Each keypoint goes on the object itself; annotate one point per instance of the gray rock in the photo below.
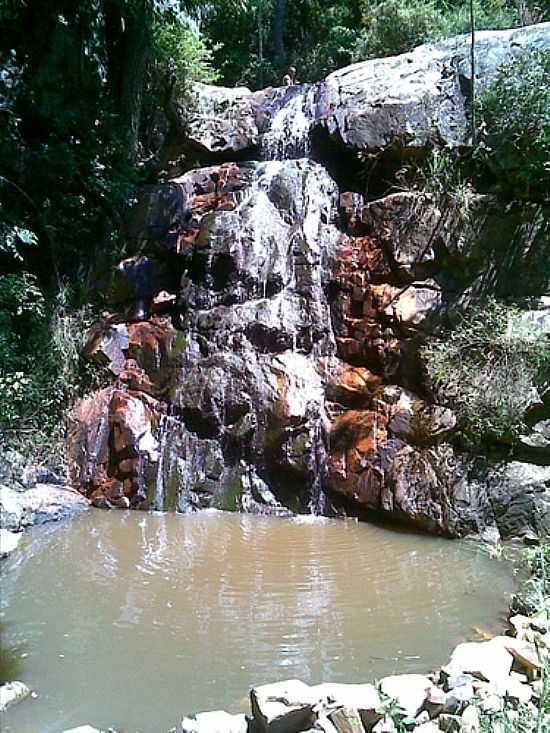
(215, 721)
(399, 100)
(42, 503)
(408, 690)
(487, 660)
(8, 541)
(520, 496)
(221, 120)
(107, 344)
(458, 698)
(282, 707)
(11, 693)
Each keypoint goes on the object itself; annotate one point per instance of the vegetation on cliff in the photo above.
(487, 369)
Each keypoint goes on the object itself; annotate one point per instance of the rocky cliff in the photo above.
(264, 329)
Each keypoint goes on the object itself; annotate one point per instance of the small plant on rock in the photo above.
(514, 124)
(487, 369)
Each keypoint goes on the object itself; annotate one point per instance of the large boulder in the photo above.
(40, 504)
(406, 101)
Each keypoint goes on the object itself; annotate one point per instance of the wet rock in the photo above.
(412, 419)
(400, 101)
(216, 721)
(43, 503)
(408, 690)
(138, 278)
(11, 693)
(353, 387)
(9, 542)
(282, 707)
(537, 442)
(430, 488)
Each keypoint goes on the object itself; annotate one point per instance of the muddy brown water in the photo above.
(131, 619)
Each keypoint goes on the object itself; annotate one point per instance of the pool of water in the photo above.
(131, 619)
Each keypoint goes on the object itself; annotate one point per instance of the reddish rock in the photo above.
(107, 344)
(352, 386)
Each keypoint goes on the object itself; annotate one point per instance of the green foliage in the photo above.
(393, 27)
(514, 123)
(41, 369)
(533, 593)
(486, 370)
(183, 52)
(396, 26)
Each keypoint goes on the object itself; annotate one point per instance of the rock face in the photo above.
(265, 329)
(402, 102)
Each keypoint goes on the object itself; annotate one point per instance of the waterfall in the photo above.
(289, 133)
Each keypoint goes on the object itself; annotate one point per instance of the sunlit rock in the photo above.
(12, 693)
(486, 660)
(408, 690)
(42, 503)
(282, 707)
(9, 541)
(216, 721)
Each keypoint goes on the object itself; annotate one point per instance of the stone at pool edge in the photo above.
(215, 721)
(42, 503)
(12, 693)
(9, 542)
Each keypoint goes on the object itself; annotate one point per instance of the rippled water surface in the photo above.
(131, 619)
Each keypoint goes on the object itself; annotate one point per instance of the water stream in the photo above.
(132, 619)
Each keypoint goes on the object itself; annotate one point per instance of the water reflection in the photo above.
(132, 619)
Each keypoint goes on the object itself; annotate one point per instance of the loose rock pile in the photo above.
(480, 677)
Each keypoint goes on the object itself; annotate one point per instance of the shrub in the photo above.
(180, 50)
(396, 26)
(513, 114)
(393, 27)
(486, 369)
(41, 370)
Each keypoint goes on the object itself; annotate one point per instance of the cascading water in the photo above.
(247, 411)
(288, 134)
